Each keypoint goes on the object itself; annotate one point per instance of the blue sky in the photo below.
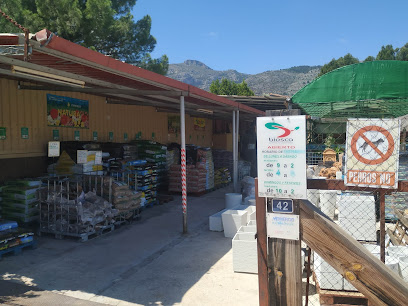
(260, 35)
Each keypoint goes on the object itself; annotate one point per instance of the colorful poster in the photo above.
(199, 124)
(173, 123)
(67, 112)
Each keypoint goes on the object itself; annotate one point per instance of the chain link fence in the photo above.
(364, 159)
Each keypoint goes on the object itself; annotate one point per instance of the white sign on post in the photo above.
(281, 156)
(372, 153)
(53, 148)
(282, 226)
(82, 156)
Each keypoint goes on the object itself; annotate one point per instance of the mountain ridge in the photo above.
(284, 81)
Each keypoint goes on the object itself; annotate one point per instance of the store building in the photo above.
(122, 102)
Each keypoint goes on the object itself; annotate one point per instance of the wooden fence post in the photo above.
(285, 272)
(262, 248)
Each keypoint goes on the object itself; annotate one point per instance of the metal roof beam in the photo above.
(132, 92)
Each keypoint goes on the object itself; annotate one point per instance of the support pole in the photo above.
(382, 224)
(183, 164)
(238, 189)
(234, 152)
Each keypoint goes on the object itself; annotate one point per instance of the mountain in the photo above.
(284, 81)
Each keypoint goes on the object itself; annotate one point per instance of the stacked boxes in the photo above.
(146, 175)
(1, 199)
(123, 199)
(20, 202)
(129, 151)
(89, 162)
(196, 178)
(357, 216)
(222, 176)
(156, 154)
(205, 161)
(398, 200)
(12, 236)
(223, 159)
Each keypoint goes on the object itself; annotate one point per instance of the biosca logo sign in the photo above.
(276, 126)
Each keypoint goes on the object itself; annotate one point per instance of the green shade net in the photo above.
(377, 89)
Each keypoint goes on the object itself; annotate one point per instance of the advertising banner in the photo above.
(199, 124)
(67, 112)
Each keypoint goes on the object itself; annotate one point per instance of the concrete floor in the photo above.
(146, 263)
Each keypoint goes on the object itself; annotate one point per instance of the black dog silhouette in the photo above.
(375, 143)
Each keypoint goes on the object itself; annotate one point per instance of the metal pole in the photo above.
(382, 224)
(183, 164)
(238, 189)
(234, 148)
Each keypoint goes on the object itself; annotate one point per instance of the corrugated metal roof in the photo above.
(56, 56)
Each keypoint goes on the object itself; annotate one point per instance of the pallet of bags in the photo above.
(20, 201)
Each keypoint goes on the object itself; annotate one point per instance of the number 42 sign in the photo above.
(282, 206)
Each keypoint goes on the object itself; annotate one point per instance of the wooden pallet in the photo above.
(399, 236)
(82, 236)
(335, 297)
(18, 248)
(164, 198)
(127, 217)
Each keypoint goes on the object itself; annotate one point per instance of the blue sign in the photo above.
(282, 206)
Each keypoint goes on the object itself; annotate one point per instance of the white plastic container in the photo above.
(247, 229)
(232, 220)
(251, 210)
(327, 201)
(232, 200)
(244, 253)
(216, 221)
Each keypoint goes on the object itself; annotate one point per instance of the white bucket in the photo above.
(233, 200)
(403, 263)
(328, 202)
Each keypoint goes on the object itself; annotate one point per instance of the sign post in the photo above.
(281, 143)
(372, 159)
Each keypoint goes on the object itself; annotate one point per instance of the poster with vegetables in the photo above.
(199, 124)
(67, 112)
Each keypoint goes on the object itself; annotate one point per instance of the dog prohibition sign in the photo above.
(370, 151)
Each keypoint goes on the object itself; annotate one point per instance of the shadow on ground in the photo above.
(148, 262)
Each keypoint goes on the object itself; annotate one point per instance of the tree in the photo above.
(402, 54)
(369, 59)
(387, 53)
(348, 59)
(230, 88)
(106, 26)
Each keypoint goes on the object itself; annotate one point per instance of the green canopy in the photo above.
(375, 89)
